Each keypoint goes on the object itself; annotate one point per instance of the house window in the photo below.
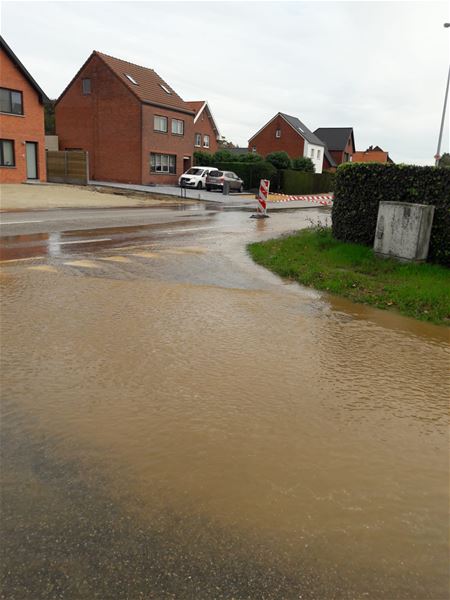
(254, 149)
(11, 102)
(198, 140)
(7, 153)
(177, 127)
(346, 157)
(206, 141)
(318, 154)
(165, 88)
(163, 163)
(278, 133)
(312, 152)
(160, 124)
(86, 86)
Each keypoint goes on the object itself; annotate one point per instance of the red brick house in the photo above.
(22, 130)
(340, 143)
(372, 154)
(206, 132)
(286, 133)
(135, 127)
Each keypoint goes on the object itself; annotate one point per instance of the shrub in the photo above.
(250, 157)
(280, 160)
(223, 155)
(361, 186)
(205, 159)
(303, 163)
(250, 173)
(299, 182)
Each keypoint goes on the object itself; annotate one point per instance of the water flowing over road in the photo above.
(177, 422)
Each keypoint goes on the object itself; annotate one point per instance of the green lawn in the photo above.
(312, 257)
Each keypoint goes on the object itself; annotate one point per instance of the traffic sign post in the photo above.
(261, 210)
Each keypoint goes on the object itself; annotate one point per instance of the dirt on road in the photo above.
(42, 196)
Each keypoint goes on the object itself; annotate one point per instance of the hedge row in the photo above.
(360, 187)
(298, 182)
(250, 173)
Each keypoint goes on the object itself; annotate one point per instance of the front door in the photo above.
(186, 163)
(31, 153)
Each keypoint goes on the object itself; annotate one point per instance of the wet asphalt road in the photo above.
(148, 453)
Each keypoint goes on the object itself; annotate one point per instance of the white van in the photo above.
(195, 177)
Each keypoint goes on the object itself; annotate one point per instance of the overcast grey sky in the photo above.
(379, 67)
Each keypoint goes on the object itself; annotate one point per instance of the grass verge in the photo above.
(315, 259)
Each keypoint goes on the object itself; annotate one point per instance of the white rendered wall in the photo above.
(318, 162)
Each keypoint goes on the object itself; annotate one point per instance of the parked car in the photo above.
(195, 177)
(216, 179)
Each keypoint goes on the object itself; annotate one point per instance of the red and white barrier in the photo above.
(323, 199)
(262, 196)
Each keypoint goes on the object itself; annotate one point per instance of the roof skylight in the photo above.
(165, 88)
(131, 79)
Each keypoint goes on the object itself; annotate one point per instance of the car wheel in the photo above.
(199, 185)
(208, 188)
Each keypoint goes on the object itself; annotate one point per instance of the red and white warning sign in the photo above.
(262, 196)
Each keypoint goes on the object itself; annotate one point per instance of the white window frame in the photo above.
(318, 154)
(278, 133)
(178, 126)
(312, 152)
(206, 141)
(157, 121)
(198, 140)
(163, 163)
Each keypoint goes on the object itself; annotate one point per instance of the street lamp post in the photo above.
(438, 152)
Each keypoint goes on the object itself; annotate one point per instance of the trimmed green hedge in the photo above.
(250, 173)
(300, 182)
(361, 186)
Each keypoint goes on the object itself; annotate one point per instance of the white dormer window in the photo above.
(133, 81)
(278, 133)
(165, 88)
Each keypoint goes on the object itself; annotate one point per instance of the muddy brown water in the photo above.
(179, 423)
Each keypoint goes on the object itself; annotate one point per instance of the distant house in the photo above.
(206, 132)
(286, 133)
(238, 151)
(372, 154)
(133, 124)
(22, 146)
(340, 143)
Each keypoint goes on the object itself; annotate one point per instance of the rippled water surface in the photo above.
(178, 423)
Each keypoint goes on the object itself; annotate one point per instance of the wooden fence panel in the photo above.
(67, 166)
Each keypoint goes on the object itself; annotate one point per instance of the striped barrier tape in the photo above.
(323, 199)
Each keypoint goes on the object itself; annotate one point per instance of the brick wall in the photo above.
(165, 143)
(266, 142)
(204, 126)
(28, 127)
(106, 123)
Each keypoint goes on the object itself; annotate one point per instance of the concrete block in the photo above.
(403, 230)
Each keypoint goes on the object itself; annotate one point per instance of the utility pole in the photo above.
(438, 152)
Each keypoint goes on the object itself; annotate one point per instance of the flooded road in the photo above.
(177, 422)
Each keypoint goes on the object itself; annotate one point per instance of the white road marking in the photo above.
(86, 241)
(18, 222)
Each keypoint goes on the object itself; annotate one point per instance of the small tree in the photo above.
(303, 163)
(445, 160)
(280, 160)
(205, 159)
(250, 157)
(223, 156)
